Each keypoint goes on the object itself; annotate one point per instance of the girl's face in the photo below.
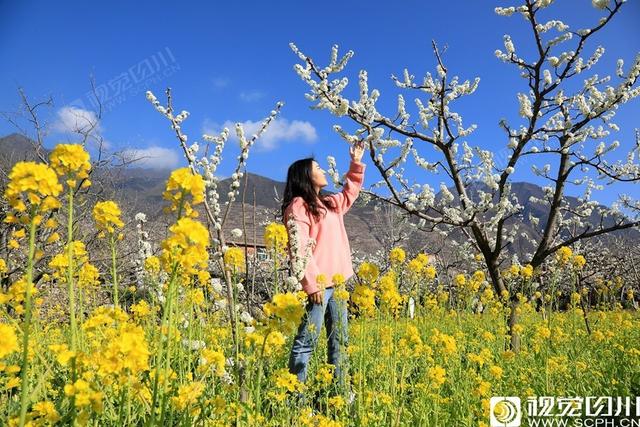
(317, 176)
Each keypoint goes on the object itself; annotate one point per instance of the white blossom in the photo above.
(525, 105)
(600, 4)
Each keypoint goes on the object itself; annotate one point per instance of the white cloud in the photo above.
(252, 96)
(76, 120)
(153, 157)
(220, 82)
(280, 130)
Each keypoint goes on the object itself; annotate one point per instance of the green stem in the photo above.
(24, 388)
(72, 298)
(114, 271)
(275, 272)
(165, 313)
(167, 362)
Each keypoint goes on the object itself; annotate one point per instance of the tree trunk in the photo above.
(498, 285)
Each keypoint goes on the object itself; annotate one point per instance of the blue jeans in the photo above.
(334, 313)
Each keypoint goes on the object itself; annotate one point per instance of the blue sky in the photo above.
(230, 61)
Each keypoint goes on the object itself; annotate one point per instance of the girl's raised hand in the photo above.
(356, 151)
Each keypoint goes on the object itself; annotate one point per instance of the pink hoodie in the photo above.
(332, 253)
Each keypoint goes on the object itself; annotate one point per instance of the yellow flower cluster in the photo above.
(340, 291)
(152, 264)
(85, 395)
(188, 395)
(33, 183)
(60, 263)
(62, 353)
(437, 375)
(141, 309)
(324, 374)
(124, 352)
(447, 342)
(389, 295)
(271, 344)
(212, 360)
(368, 272)
(481, 358)
(578, 261)
(71, 161)
(107, 216)
(287, 308)
(103, 317)
(16, 295)
(8, 340)
(284, 380)
(397, 256)
(563, 255)
(42, 414)
(88, 276)
(415, 267)
(182, 182)
(276, 237)
(515, 271)
(234, 259)
(419, 266)
(186, 247)
(412, 345)
(364, 299)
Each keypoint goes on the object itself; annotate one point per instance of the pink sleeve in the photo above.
(302, 219)
(352, 185)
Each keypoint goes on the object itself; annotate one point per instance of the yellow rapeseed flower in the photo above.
(187, 246)
(563, 255)
(32, 183)
(429, 272)
(460, 280)
(212, 359)
(364, 299)
(397, 256)
(182, 182)
(276, 237)
(88, 276)
(188, 395)
(8, 340)
(368, 272)
(527, 272)
(287, 308)
(71, 162)
(152, 264)
(578, 261)
(107, 216)
(141, 309)
(437, 375)
(285, 380)
(389, 294)
(46, 412)
(234, 259)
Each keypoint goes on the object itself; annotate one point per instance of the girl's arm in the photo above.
(353, 181)
(351, 187)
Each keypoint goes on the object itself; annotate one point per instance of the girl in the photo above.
(321, 218)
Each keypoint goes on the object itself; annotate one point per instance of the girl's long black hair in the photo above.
(299, 185)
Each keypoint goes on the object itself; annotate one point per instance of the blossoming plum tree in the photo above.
(559, 123)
